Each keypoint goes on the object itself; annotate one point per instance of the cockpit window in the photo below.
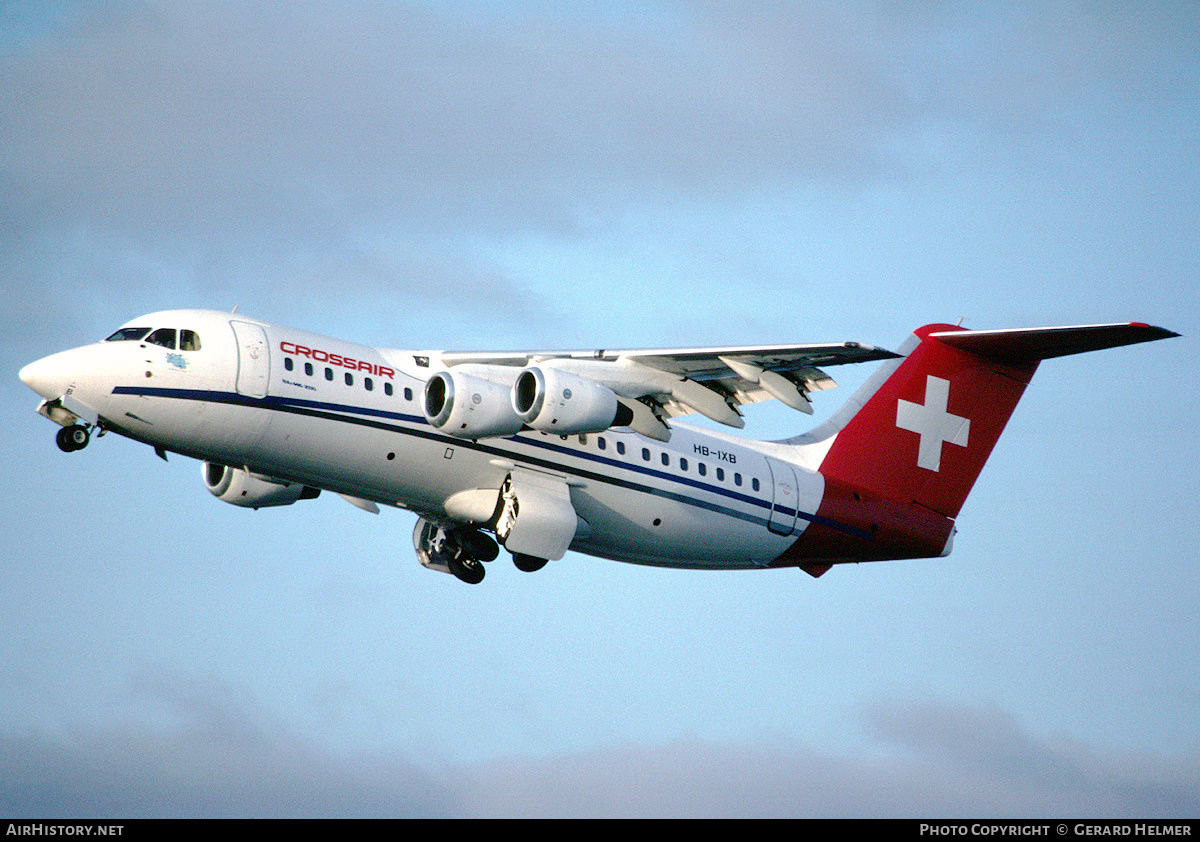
(164, 336)
(128, 334)
(189, 340)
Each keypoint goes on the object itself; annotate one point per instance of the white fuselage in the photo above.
(304, 408)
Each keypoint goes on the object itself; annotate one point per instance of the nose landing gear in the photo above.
(75, 437)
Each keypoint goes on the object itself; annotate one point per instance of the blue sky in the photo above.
(494, 176)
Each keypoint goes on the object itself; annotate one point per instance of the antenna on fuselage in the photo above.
(234, 310)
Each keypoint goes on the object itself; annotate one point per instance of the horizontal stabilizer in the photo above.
(1028, 345)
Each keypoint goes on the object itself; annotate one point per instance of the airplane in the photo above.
(545, 452)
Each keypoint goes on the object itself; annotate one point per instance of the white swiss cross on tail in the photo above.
(932, 422)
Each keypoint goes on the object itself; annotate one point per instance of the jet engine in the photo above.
(241, 488)
(469, 407)
(554, 401)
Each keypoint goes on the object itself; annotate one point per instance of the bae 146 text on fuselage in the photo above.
(544, 452)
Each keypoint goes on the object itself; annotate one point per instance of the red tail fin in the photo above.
(897, 471)
(924, 435)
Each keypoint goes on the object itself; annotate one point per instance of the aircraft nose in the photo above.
(47, 376)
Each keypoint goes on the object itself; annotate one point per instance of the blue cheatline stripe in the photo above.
(369, 417)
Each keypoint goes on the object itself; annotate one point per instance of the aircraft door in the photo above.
(254, 360)
(785, 497)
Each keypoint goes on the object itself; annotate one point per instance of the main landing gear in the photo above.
(528, 563)
(75, 437)
(461, 550)
(454, 549)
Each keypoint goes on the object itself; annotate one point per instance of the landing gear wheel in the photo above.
(73, 438)
(528, 563)
(480, 546)
(469, 570)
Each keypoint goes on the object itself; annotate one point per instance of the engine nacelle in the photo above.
(554, 401)
(469, 407)
(239, 487)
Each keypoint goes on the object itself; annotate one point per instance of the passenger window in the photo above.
(701, 468)
(329, 374)
(682, 464)
(621, 447)
(164, 336)
(368, 384)
(601, 443)
(720, 474)
(308, 369)
(387, 389)
(646, 454)
(407, 393)
(287, 363)
(666, 459)
(754, 483)
(349, 379)
(189, 340)
(737, 479)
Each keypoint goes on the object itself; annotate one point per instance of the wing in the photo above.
(655, 384)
